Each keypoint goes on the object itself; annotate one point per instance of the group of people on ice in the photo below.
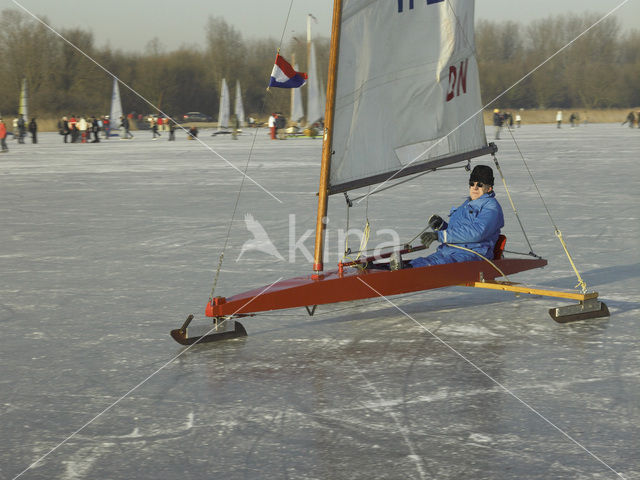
(19, 132)
(504, 118)
(80, 129)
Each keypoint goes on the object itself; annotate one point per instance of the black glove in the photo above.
(428, 237)
(437, 223)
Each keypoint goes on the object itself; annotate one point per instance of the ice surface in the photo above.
(104, 248)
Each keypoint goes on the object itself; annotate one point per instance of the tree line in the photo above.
(599, 70)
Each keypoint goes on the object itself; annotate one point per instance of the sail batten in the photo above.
(408, 92)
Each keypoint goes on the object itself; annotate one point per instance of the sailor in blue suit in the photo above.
(474, 225)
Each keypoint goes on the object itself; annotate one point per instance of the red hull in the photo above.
(355, 284)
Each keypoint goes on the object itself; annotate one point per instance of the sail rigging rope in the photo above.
(364, 239)
(513, 206)
(481, 256)
(581, 283)
(235, 206)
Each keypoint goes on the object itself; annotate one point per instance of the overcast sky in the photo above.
(130, 24)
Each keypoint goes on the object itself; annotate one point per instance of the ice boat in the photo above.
(403, 98)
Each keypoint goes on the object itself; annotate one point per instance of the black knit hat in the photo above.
(483, 174)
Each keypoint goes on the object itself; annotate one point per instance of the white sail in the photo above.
(238, 109)
(297, 110)
(407, 92)
(225, 105)
(116, 109)
(23, 108)
(315, 107)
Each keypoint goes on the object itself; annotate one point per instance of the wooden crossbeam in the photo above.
(512, 287)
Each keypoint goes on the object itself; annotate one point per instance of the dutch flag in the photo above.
(284, 76)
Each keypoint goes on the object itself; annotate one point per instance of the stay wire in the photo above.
(513, 206)
(246, 168)
(581, 283)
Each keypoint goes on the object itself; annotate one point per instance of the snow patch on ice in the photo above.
(189, 423)
(477, 437)
(134, 434)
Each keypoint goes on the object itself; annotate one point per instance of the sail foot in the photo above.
(489, 149)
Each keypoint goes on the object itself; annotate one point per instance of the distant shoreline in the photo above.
(529, 116)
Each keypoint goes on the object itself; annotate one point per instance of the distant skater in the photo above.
(272, 126)
(281, 123)
(95, 128)
(82, 126)
(33, 129)
(498, 120)
(559, 118)
(124, 125)
(63, 128)
(154, 128)
(3, 137)
(573, 119)
(106, 126)
(631, 120)
(172, 131)
(22, 129)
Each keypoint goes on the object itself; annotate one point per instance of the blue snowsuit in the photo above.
(474, 225)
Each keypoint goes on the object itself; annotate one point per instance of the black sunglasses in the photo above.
(480, 184)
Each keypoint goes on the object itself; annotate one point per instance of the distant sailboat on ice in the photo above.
(24, 101)
(297, 109)
(116, 109)
(223, 112)
(238, 109)
(315, 107)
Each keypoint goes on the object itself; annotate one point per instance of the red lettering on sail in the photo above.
(452, 82)
(457, 80)
(462, 76)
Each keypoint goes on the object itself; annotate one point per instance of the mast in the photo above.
(293, 62)
(325, 166)
(309, 41)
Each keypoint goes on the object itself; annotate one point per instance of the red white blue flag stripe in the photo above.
(284, 76)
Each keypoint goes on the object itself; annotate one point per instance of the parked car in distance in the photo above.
(196, 117)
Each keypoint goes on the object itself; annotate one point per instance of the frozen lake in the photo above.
(104, 248)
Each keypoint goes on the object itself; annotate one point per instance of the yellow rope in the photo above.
(513, 206)
(363, 244)
(581, 283)
(481, 256)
